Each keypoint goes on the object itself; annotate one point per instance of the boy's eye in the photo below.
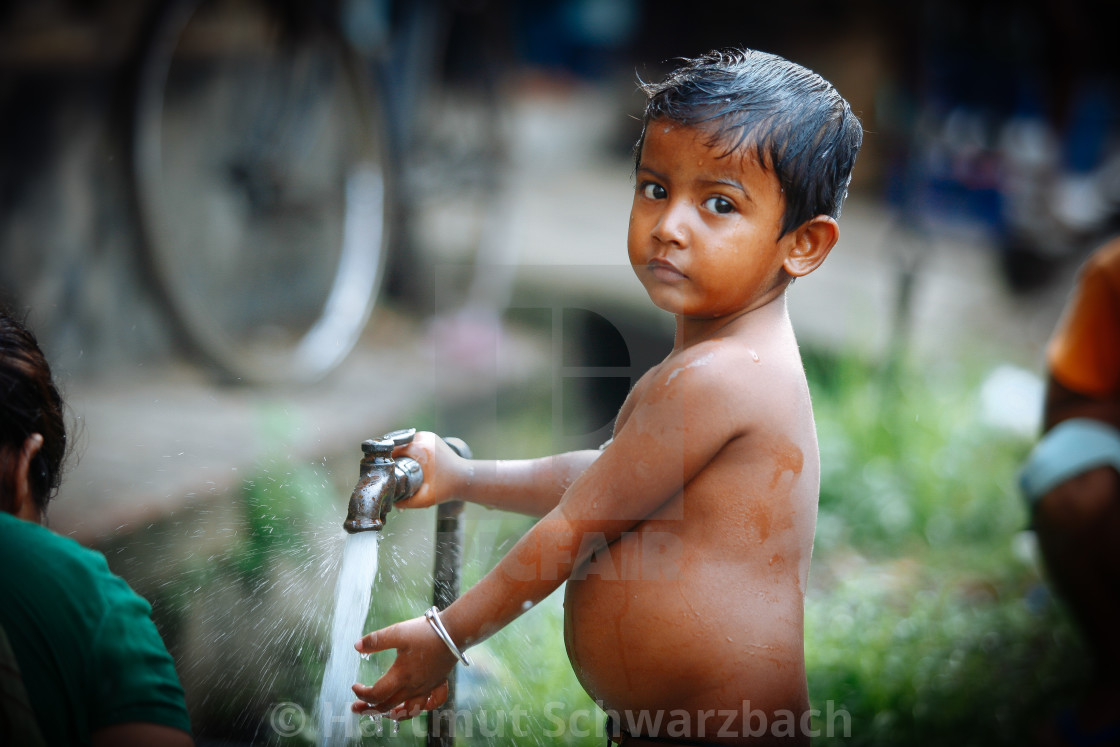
(719, 205)
(653, 191)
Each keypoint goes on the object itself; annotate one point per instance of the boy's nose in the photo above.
(672, 224)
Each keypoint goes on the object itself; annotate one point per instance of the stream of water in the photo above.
(337, 724)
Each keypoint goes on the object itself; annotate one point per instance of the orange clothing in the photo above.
(1084, 353)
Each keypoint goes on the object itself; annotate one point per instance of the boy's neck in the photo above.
(693, 330)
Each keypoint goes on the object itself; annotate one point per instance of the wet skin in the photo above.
(699, 606)
(686, 542)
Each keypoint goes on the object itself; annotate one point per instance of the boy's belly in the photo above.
(652, 624)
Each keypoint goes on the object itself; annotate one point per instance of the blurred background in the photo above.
(250, 235)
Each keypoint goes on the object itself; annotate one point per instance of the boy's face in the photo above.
(703, 235)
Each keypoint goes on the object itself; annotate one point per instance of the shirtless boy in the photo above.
(743, 163)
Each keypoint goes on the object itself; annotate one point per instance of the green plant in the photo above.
(927, 619)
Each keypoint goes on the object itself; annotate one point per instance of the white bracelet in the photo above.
(432, 616)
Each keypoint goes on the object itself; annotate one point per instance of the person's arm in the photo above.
(1062, 403)
(1083, 357)
(141, 735)
(526, 486)
(658, 450)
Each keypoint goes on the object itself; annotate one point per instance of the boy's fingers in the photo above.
(418, 449)
(411, 708)
(427, 702)
(378, 640)
(371, 700)
(396, 703)
(437, 697)
(363, 707)
(379, 697)
(384, 694)
(412, 501)
(421, 442)
(364, 693)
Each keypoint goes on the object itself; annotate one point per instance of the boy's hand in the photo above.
(445, 472)
(417, 680)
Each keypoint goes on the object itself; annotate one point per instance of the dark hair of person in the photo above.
(800, 126)
(29, 403)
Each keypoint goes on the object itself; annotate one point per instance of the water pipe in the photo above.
(382, 482)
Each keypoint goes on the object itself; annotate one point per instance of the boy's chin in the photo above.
(662, 297)
(675, 305)
(665, 304)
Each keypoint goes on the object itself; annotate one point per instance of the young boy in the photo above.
(685, 541)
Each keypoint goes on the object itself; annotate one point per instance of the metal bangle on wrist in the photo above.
(432, 616)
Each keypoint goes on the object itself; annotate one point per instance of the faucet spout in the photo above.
(382, 482)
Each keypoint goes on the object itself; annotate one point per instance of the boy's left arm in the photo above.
(682, 422)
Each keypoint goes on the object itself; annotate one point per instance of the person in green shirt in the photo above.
(82, 655)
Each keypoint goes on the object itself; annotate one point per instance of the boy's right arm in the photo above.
(526, 486)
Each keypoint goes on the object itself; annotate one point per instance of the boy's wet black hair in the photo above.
(29, 403)
(800, 126)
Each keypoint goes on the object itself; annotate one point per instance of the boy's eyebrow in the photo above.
(733, 184)
(725, 182)
(728, 183)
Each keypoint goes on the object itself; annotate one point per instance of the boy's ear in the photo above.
(812, 241)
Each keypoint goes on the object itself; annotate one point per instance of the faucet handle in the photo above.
(400, 437)
(383, 447)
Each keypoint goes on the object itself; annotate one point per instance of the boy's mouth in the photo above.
(664, 270)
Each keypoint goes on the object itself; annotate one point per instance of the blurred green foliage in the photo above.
(928, 619)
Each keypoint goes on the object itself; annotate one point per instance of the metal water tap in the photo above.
(383, 481)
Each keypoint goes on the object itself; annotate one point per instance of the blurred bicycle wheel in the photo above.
(260, 168)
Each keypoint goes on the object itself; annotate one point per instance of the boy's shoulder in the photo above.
(727, 374)
(719, 390)
(707, 360)
(732, 356)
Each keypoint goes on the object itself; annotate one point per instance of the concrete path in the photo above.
(156, 440)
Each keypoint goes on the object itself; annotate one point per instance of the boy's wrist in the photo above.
(436, 623)
(453, 624)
